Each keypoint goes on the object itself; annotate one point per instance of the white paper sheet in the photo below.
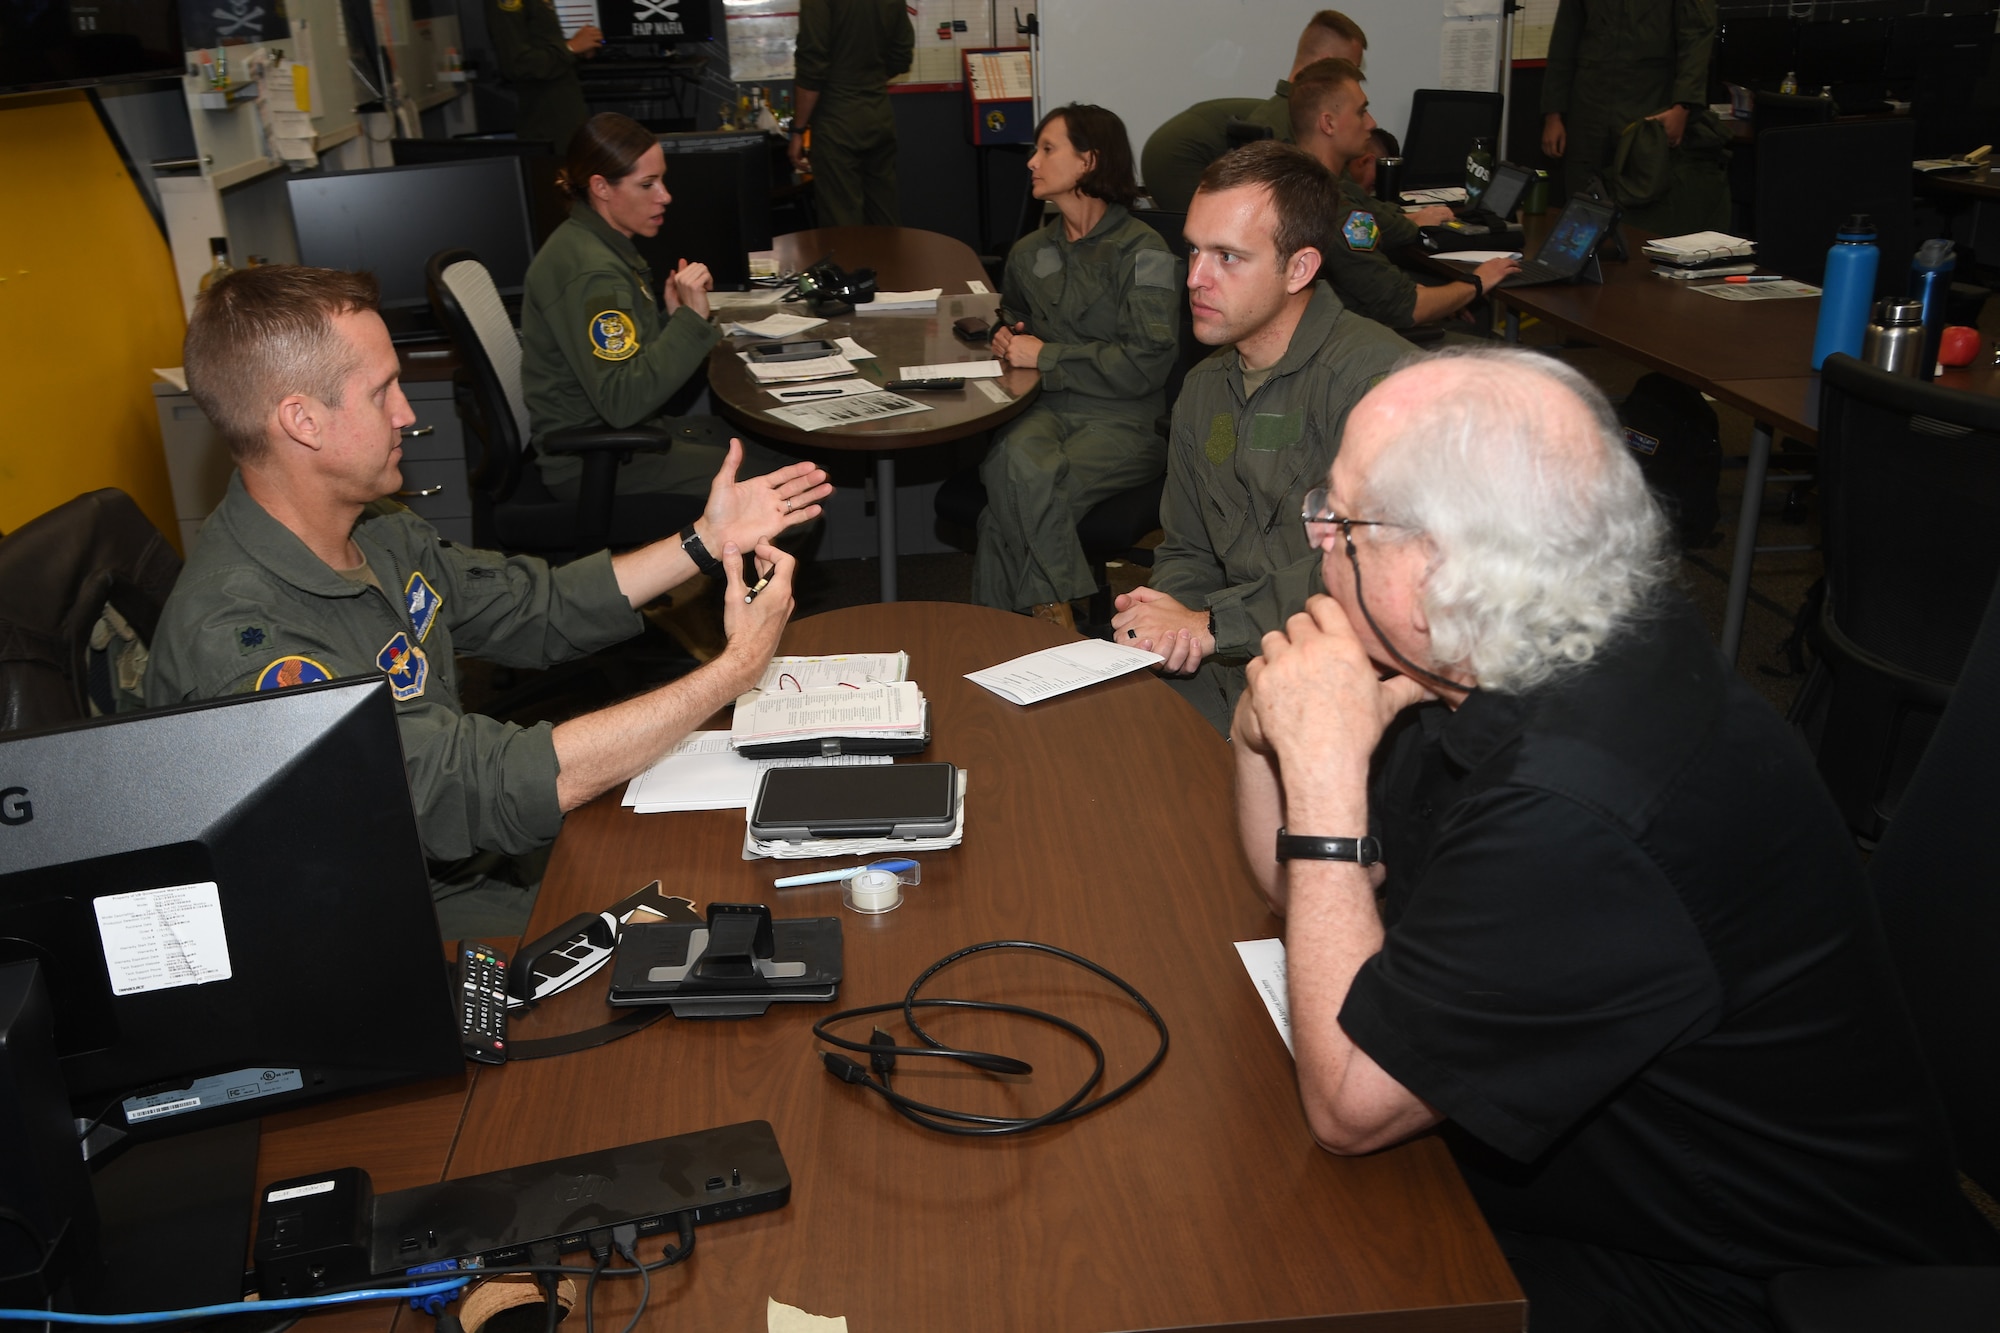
(797, 393)
(993, 391)
(890, 303)
(853, 350)
(1474, 258)
(704, 773)
(1058, 670)
(1264, 960)
(883, 708)
(158, 939)
(955, 370)
(792, 372)
(799, 674)
(1785, 289)
(775, 325)
(847, 411)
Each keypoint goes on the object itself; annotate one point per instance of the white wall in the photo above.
(1148, 60)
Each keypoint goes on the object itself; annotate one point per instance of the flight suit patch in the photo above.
(1048, 260)
(250, 639)
(1221, 442)
(1153, 268)
(1270, 432)
(612, 336)
(421, 600)
(405, 665)
(291, 671)
(1360, 231)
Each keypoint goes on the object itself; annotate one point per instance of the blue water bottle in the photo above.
(1930, 282)
(1847, 290)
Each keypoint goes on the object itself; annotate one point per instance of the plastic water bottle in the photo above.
(1930, 282)
(1847, 290)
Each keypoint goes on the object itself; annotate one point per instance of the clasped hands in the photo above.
(1151, 620)
(1017, 347)
(688, 285)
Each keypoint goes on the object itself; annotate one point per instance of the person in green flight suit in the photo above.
(1330, 120)
(1613, 62)
(848, 51)
(1090, 301)
(539, 64)
(1178, 151)
(596, 348)
(307, 572)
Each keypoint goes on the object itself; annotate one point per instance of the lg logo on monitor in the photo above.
(15, 808)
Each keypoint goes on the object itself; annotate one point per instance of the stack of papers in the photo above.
(777, 324)
(791, 372)
(956, 370)
(892, 714)
(889, 303)
(798, 675)
(1058, 670)
(1698, 248)
(856, 848)
(704, 772)
(845, 411)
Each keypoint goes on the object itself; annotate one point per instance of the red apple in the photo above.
(1960, 346)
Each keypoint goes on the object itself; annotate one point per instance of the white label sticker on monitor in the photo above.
(157, 939)
(215, 1090)
(299, 1191)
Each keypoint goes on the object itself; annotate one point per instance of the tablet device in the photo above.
(809, 350)
(878, 801)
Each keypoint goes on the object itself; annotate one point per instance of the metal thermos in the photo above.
(1895, 339)
(1389, 179)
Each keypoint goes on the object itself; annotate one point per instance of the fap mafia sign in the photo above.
(656, 20)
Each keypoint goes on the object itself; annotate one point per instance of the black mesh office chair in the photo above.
(512, 509)
(1909, 477)
(1936, 877)
(1811, 178)
(57, 574)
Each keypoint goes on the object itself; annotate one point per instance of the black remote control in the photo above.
(924, 386)
(482, 1015)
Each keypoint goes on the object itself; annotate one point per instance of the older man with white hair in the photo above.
(1562, 883)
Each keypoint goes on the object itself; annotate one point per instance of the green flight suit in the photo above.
(538, 65)
(1106, 308)
(1238, 470)
(1358, 261)
(255, 609)
(1178, 152)
(848, 50)
(1612, 62)
(597, 351)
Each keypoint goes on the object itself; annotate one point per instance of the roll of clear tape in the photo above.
(873, 891)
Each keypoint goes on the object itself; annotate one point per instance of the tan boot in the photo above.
(1056, 613)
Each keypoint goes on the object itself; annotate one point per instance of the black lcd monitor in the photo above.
(74, 43)
(230, 906)
(1443, 124)
(721, 210)
(391, 220)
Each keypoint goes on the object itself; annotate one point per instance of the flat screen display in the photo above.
(74, 43)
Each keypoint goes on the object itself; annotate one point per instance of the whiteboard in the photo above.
(1149, 60)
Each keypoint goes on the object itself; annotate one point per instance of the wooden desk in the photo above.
(1700, 340)
(1101, 822)
(1791, 403)
(904, 259)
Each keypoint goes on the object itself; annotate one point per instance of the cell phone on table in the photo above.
(808, 350)
(881, 801)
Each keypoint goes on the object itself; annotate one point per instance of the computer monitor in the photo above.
(391, 220)
(1443, 124)
(721, 187)
(229, 904)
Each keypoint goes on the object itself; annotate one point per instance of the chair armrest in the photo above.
(599, 439)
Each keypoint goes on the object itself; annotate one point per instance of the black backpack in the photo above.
(1673, 432)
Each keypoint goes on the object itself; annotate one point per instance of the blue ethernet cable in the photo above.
(454, 1285)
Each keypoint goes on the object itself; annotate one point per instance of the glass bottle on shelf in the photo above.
(218, 249)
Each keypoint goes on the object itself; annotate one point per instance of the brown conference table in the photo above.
(904, 259)
(1101, 822)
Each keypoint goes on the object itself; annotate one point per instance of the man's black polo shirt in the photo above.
(1632, 958)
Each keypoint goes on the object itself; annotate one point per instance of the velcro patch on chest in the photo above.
(421, 600)
(1153, 268)
(1221, 441)
(613, 336)
(1272, 431)
(1048, 260)
(1360, 231)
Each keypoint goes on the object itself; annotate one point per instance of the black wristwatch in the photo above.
(1303, 847)
(1477, 286)
(691, 543)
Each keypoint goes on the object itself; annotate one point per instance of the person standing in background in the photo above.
(539, 64)
(848, 51)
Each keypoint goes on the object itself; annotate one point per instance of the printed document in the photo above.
(1058, 670)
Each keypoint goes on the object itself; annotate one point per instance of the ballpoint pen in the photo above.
(1755, 277)
(832, 876)
(811, 393)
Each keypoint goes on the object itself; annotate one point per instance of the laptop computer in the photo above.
(1571, 245)
(1479, 227)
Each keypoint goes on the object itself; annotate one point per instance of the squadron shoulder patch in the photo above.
(612, 336)
(291, 671)
(421, 600)
(405, 665)
(510, 6)
(1360, 231)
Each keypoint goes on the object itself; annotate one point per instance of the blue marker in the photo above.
(834, 876)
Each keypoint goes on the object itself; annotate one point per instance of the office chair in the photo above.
(1811, 178)
(512, 509)
(58, 573)
(1936, 877)
(1909, 477)
(1443, 124)
(1113, 528)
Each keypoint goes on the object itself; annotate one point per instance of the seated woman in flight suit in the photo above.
(597, 348)
(1090, 300)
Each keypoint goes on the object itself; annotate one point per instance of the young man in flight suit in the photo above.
(306, 573)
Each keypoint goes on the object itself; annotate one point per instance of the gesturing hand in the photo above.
(750, 513)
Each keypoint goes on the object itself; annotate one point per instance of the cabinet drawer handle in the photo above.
(417, 432)
(424, 494)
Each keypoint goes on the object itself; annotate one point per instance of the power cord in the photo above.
(374, 1293)
(625, 1239)
(882, 1052)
